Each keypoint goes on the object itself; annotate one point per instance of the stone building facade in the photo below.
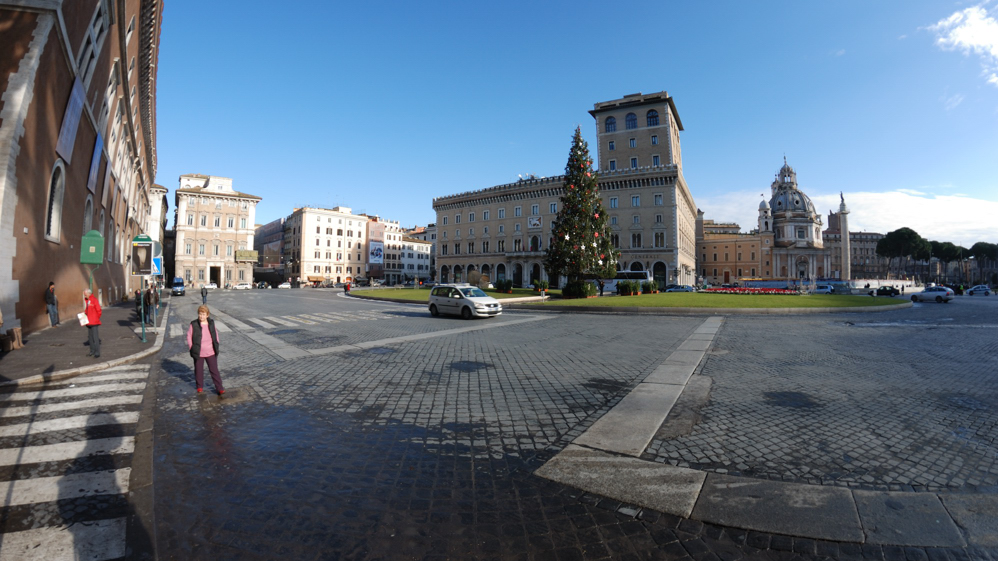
(504, 231)
(787, 244)
(323, 244)
(77, 147)
(214, 227)
(865, 263)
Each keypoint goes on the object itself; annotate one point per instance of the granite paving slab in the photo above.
(894, 518)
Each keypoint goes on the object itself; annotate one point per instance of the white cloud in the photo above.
(958, 219)
(951, 102)
(839, 52)
(971, 30)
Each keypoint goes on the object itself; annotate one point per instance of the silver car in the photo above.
(934, 294)
(979, 289)
(463, 300)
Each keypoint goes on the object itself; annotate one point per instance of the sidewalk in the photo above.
(61, 352)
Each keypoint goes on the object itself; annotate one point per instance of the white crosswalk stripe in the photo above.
(74, 428)
(261, 323)
(299, 319)
(280, 321)
(221, 327)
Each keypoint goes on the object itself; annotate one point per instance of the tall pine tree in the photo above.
(580, 246)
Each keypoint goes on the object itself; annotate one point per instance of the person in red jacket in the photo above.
(93, 312)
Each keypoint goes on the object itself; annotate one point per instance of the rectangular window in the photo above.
(633, 143)
(635, 200)
(655, 161)
(611, 146)
(658, 218)
(753, 259)
(485, 215)
(658, 199)
(228, 251)
(232, 222)
(445, 221)
(457, 249)
(187, 249)
(715, 259)
(242, 223)
(800, 234)
(517, 211)
(201, 249)
(457, 219)
(636, 240)
(634, 163)
(502, 213)
(654, 140)
(535, 210)
(218, 221)
(516, 227)
(715, 272)
(502, 228)
(635, 219)
(471, 247)
(613, 165)
(753, 272)
(739, 257)
(553, 208)
(190, 219)
(613, 220)
(613, 202)
(485, 247)
(204, 220)
(659, 239)
(471, 217)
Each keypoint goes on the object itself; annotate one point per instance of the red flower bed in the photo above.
(750, 291)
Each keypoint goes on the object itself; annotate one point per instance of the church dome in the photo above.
(764, 205)
(786, 196)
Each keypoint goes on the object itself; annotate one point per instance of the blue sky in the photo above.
(381, 106)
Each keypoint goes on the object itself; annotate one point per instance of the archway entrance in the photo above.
(637, 266)
(518, 275)
(661, 274)
(457, 273)
(445, 274)
(802, 268)
(535, 273)
(501, 272)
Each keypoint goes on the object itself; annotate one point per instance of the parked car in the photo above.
(681, 288)
(464, 300)
(886, 291)
(979, 289)
(210, 286)
(284, 284)
(934, 294)
(243, 286)
(823, 289)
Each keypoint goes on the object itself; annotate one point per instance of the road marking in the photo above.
(69, 406)
(73, 392)
(280, 321)
(316, 318)
(66, 450)
(261, 323)
(46, 489)
(221, 327)
(236, 323)
(70, 423)
(100, 539)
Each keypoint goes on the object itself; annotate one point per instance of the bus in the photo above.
(610, 285)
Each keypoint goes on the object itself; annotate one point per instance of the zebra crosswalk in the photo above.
(275, 322)
(65, 465)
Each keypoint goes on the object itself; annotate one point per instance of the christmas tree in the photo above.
(580, 247)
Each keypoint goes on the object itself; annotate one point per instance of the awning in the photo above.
(316, 278)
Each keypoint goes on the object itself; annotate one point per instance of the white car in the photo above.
(243, 286)
(933, 294)
(284, 285)
(823, 289)
(211, 286)
(979, 289)
(463, 300)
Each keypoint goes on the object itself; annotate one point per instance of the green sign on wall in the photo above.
(92, 248)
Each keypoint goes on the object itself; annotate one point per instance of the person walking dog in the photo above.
(52, 304)
(93, 312)
(202, 340)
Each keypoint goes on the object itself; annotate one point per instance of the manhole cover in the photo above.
(468, 365)
(790, 399)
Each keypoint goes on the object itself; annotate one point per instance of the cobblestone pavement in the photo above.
(898, 401)
(425, 450)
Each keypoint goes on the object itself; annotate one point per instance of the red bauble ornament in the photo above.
(588, 174)
(597, 215)
(601, 256)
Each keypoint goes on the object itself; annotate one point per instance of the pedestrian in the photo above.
(600, 282)
(204, 295)
(150, 304)
(93, 312)
(202, 340)
(52, 304)
(902, 290)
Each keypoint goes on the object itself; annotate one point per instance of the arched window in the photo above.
(631, 121)
(610, 125)
(653, 118)
(88, 214)
(57, 188)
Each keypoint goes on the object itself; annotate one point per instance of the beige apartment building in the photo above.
(214, 231)
(323, 244)
(504, 231)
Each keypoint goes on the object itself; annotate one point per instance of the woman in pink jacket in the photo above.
(202, 340)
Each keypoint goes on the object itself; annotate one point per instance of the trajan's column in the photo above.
(846, 246)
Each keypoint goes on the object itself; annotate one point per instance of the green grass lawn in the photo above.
(663, 300)
(706, 300)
